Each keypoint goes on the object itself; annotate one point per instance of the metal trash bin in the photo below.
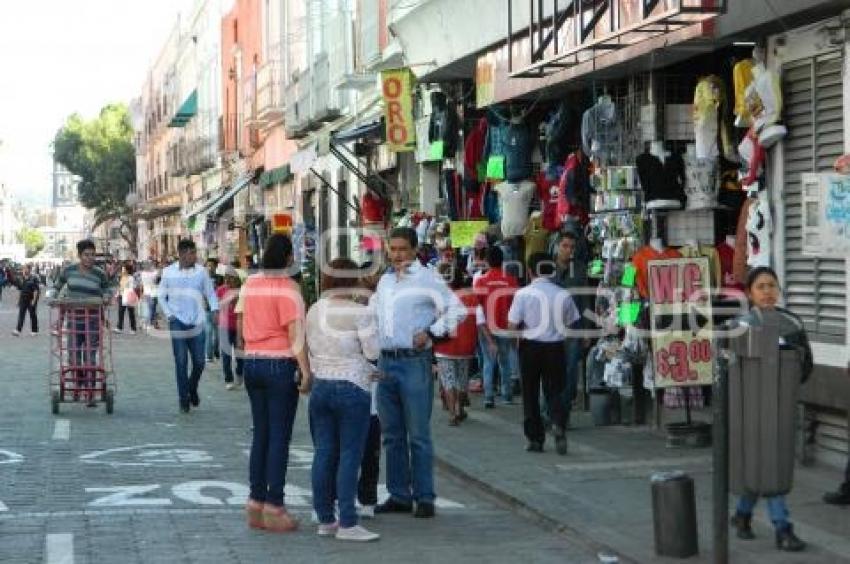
(764, 384)
(674, 515)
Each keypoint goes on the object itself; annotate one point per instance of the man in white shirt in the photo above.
(414, 306)
(543, 311)
(182, 290)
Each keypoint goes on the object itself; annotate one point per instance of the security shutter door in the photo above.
(814, 287)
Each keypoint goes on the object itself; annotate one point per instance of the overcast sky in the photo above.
(58, 57)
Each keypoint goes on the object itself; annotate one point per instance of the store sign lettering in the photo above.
(398, 109)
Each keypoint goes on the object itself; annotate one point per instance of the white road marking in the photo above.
(632, 464)
(164, 455)
(124, 495)
(191, 492)
(9, 457)
(59, 549)
(3, 507)
(62, 430)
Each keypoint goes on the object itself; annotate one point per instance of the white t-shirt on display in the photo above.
(515, 199)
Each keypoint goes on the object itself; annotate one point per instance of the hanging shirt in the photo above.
(759, 229)
(549, 193)
(640, 260)
(739, 263)
(764, 97)
(601, 133)
(515, 199)
(661, 181)
(473, 150)
(536, 237)
(372, 208)
(575, 189)
(726, 254)
(710, 253)
(752, 151)
(742, 77)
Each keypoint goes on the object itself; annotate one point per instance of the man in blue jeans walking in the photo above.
(182, 290)
(414, 306)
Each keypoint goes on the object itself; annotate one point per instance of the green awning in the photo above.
(186, 112)
(274, 176)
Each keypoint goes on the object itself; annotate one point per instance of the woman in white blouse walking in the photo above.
(342, 340)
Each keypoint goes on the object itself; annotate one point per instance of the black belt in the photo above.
(403, 353)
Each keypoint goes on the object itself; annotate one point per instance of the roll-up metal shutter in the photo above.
(814, 287)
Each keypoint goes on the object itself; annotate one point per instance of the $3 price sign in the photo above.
(675, 360)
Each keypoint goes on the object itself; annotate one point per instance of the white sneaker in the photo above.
(33, 334)
(16, 333)
(132, 331)
(229, 386)
(366, 511)
(117, 331)
(357, 534)
(327, 529)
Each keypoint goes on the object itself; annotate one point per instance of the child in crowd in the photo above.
(227, 291)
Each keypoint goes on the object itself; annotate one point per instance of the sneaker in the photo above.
(253, 512)
(117, 331)
(743, 523)
(229, 386)
(534, 446)
(841, 497)
(366, 512)
(394, 506)
(16, 333)
(132, 331)
(327, 529)
(356, 533)
(277, 519)
(33, 333)
(786, 540)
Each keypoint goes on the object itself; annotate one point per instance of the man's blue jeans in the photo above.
(776, 509)
(211, 336)
(405, 401)
(271, 387)
(506, 356)
(186, 341)
(339, 424)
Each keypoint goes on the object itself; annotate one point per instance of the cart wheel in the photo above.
(110, 401)
(54, 402)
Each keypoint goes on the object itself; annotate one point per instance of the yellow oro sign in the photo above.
(463, 233)
(681, 325)
(485, 84)
(396, 86)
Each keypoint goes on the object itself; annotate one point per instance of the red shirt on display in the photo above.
(640, 261)
(373, 208)
(549, 192)
(493, 298)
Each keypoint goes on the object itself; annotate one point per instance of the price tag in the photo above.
(496, 167)
(629, 275)
(437, 150)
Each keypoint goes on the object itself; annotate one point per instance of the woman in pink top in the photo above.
(271, 321)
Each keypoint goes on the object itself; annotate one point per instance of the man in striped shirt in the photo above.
(84, 281)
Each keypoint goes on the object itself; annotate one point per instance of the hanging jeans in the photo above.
(450, 185)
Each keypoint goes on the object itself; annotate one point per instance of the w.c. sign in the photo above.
(398, 109)
(680, 322)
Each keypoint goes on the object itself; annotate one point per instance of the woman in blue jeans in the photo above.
(271, 320)
(763, 292)
(343, 344)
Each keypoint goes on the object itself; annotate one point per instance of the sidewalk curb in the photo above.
(527, 511)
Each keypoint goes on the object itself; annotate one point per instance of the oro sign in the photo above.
(396, 86)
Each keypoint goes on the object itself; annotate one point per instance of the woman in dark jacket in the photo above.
(764, 293)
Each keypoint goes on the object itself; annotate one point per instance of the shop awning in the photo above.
(274, 176)
(186, 112)
(214, 204)
(374, 129)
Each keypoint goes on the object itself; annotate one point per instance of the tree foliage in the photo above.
(100, 151)
(32, 239)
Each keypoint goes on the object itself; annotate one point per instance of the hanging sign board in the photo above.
(282, 223)
(463, 233)
(826, 215)
(681, 326)
(396, 87)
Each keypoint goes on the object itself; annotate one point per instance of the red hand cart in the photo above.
(80, 354)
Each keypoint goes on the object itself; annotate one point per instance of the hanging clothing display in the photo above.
(574, 188)
(709, 252)
(601, 132)
(739, 264)
(726, 254)
(764, 97)
(490, 203)
(443, 125)
(701, 186)
(752, 151)
(661, 181)
(548, 192)
(759, 230)
(515, 199)
(451, 192)
(473, 151)
(742, 77)
(709, 109)
(373, 208)
(640, 260)
(536, 237)
(558, 131)
(513, 142)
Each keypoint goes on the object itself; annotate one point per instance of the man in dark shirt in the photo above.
(27, 301)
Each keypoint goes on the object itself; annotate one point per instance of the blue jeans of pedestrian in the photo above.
(187, 341)
(506, 357)
(776, 509)
(405, 401)
(211, 332)
(339, 425)
(271, 387)
(228, 341)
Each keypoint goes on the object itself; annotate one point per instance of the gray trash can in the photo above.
(674, 515)
(764, 384)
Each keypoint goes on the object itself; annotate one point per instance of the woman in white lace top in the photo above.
(342, 340)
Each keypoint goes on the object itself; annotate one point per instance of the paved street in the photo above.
(150, 485)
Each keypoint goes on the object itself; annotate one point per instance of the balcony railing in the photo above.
(297, 109)
(325, 103)
(270, 94)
